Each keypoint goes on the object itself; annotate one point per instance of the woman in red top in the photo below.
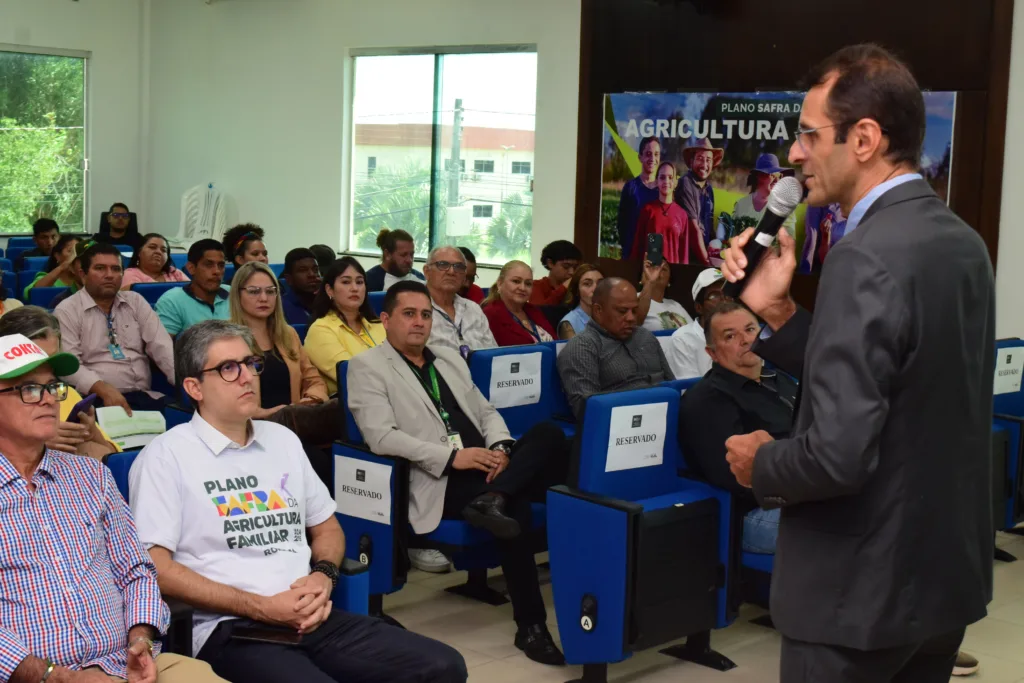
(512, 318)
(665, 217)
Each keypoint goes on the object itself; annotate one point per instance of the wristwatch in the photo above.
(328, 569)
(503, 447)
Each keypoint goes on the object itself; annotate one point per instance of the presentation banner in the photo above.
(697, 169)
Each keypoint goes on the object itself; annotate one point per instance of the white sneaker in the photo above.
(427, 560)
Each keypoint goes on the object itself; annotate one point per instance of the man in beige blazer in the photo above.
(420, 403)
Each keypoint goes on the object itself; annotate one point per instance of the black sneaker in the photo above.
(539, 646)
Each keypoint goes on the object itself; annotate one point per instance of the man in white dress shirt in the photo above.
(686, 350)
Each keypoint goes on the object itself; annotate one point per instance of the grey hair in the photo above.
(31, 321)
(191, 350)
(722, 308)
(443, 247)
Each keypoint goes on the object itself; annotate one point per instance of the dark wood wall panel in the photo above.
(741, 45)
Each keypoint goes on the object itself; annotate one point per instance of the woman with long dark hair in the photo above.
(343, 325)
(59, 267)
(151, 262)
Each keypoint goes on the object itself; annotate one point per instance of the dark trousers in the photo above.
(348, 648)
(140, 400)
(928, 662)
(538, 461)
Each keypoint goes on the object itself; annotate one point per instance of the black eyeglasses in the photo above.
(445, 265)
(231, 370)
(32, 392)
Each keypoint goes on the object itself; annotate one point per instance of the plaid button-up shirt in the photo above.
(74, 577)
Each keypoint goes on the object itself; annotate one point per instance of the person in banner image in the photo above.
(823, 227)
(885, 542)
(666, 218)
(637, 193)
(695, 193)
(761, 180)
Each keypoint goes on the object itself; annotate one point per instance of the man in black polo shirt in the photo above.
(737, 396)
(419, 403)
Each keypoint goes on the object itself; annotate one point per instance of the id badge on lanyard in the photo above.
(454, 440)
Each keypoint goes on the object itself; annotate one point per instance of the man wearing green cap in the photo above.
(88, 606)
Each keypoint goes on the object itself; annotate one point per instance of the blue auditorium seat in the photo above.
(560, 403)
(533, 363)
(302, 329)
(179, 259)
(1008, 419)
(681, 385)
(229, 273)
(12, 253)
(36, 263)
(380, 543)
(26, 242)
(5, 264)
(352, 592)
(277, 269)
(25, 278)
(639, 555)
(42, 296)
(152, 291)
(11, 285)
(376, 301)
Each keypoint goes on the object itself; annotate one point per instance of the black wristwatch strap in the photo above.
(328, 569)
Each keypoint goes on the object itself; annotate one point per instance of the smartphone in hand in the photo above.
(82, 407)
(656, 249)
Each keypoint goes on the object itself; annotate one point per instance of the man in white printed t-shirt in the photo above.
(223, 503)
(686, 349)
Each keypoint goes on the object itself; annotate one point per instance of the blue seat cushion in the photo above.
(457, 532)
(759, 562)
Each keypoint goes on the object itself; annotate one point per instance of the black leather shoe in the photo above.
(536, 642)
(488, 512)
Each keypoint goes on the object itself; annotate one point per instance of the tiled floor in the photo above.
(484, 634)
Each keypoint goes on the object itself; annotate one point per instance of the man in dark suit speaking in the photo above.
(885, 544)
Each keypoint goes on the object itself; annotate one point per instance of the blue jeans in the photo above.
(760, 531)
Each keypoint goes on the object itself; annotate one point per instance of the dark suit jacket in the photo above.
(886, 535)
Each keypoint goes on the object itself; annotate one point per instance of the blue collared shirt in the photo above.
(868, 200)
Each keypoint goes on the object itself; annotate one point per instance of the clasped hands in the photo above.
(304, 606)
(483, 459)
(740, 451)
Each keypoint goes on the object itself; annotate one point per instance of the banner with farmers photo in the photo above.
(697, 168)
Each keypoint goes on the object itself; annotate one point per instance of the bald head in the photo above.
(614, 307)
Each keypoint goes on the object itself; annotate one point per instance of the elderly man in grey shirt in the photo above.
(613, 353)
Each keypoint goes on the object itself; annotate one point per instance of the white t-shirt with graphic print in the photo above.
(234, 514)
(667, 314)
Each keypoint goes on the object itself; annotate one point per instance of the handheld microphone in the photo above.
(782, 201)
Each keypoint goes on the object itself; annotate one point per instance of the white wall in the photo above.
(111, 30)
(253, 94)
(1010, 275)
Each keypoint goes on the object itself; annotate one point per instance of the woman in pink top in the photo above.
(151, 262)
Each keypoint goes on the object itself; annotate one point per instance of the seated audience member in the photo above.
(469, 289)
(114, 335)
(737, 396)
(657, 312)
(343, 325)
(84, 437)
(612, 353)
(220, 556)
(288, 375)
(686, 351)
(204, 298)
(302, 276)
(76, 275)
(513, 319)
(325, 256)
(244, 243)
(464, 463)
(561, 259)
(579, 296)
(119, 230)
(152, 263)
(397, 248)
(81, 596)
(59, 268)
(45, 233)
(462, 325)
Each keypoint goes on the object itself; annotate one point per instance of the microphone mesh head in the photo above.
(784, 197)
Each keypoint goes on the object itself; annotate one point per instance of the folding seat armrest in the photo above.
(597, 499)
(350, 567)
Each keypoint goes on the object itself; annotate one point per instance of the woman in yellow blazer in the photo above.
(288, 375)
(343, 325)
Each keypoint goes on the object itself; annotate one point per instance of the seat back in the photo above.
(36, 263)
(1008, 406)
(277, 269)
(11, 284)
(14, 252)
(179, 260)
(152, 291)
(120, 465)
(6, 264)
(42, 296)
(229, 273)
(513, 378)
(559, 403)
(376, 301)
(349, 428)
(25, 278)
(301, 329)
(25, 242)
(627, 447)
